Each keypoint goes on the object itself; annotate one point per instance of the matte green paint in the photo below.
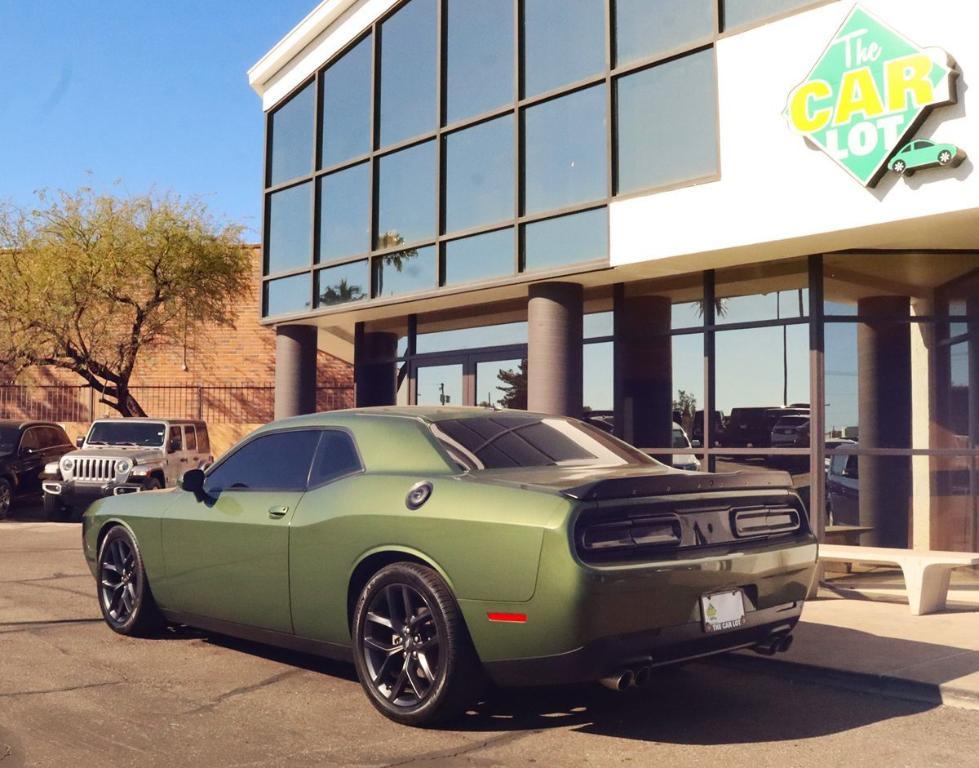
(501, 540)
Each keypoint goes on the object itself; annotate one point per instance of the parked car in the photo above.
(752, 427)
(436, 546)
(123, 456)
(25, 447)
(791, 432)
(922, 153)
(843, 490)
(684, 461)
(718, 424)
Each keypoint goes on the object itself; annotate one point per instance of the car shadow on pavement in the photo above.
(700, 704)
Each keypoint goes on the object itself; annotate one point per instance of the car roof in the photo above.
(24, 423)
(150, 418)
(431, 414)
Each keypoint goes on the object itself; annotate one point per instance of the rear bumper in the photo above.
(656, 647)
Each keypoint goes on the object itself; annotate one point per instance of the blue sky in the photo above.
(146, 95)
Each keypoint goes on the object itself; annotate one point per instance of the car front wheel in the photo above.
(944, 157)
(412, 651)
(125, 599)
(900, 166)
(6, 497)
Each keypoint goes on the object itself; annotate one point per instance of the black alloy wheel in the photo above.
(413, 653)
(125, 600)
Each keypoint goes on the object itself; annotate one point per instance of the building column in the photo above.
(375, 370)
(554, 349)
(295, 370)
(644, 360)
(884, 385)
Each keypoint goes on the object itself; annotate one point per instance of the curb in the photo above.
(861, 682)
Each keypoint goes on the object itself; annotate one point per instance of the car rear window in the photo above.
(510, 440)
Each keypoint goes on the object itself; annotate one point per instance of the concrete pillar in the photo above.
(644, 356)
(554, 349)
(375, 373)
(295, 370)
(884, 384)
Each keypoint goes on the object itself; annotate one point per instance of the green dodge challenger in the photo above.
(438, 547)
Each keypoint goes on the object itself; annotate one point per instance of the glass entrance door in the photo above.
(489, 379)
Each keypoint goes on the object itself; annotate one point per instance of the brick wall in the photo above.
(242, 355)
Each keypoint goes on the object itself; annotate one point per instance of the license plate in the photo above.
(722, 611)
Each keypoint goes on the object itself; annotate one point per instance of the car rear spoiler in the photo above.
(661, 484)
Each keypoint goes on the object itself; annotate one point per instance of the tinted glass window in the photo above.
(292, 138)
(479, 175)
(566, 240)
(345, 208)
(478, 258)
(176, 442)
(522, 440)
(338, 285)
(287, 295)
(55, 436)
(290, 229)
(143, 433)
(648, 27)
(8, 439)
(408, 55)
(31, 441)
(404, 272)
(276, 462)
(203, 439)
(346, 100)
(565, 151)
(479, 49)
(335, 457)
(739, 12)
(480, 336)
(190, 438)
(667, 126)
(564, 41)
(406, 206)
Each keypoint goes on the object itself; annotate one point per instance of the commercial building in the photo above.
(652, 214)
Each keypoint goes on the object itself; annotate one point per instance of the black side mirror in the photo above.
(192, 481)
(79, 441)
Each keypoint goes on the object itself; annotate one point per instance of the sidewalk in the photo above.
(869, 641)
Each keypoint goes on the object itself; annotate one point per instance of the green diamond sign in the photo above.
(869, 92)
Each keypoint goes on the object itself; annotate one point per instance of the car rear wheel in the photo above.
(412, 651)
(54, 510)
(6, 497)
(944, 157)
(125, 599)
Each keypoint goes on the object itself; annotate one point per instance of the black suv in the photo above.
(25, 447)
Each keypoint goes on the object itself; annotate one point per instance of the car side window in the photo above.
(837, 463)
(279, 461)
(176, 442)
(203, 443)
(56, 437)
(30, 441)
(335, 457)
(190, 438)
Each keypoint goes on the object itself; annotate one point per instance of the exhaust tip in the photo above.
(619, 681)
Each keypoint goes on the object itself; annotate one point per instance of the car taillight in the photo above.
(626, 534)
(764, 522)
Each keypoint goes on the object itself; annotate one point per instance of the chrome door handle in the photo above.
(275, 513)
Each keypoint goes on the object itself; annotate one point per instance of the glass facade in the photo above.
(452, 119)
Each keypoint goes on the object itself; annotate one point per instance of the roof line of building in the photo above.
(321, 17)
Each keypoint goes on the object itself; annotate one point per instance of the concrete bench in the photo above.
(926, 573)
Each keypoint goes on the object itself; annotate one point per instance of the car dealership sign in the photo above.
(869, 91)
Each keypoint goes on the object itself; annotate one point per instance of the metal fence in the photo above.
(224, 404)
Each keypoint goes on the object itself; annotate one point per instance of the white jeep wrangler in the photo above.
(123, 456)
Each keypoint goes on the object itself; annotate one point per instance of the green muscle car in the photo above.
(439, 547)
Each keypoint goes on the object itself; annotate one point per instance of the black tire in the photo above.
(413, 653)
(900, 167)
(6, 497)
(152, 484)
(124, 594)
(944, 157)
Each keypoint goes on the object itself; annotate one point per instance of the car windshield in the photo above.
(141, 433)
(508, 440)
(680, 438)
(8, 439)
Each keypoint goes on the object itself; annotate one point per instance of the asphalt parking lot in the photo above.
(72, 693)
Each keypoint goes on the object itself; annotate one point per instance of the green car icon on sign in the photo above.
(922, 153)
